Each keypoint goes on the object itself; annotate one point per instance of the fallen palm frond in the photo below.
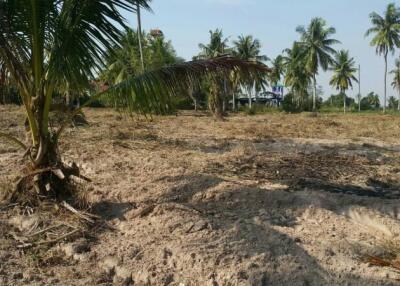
(377, 261)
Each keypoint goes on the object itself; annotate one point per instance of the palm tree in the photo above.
(373, 100)
(64, 42)
(296, 76)
(317, 43)
(217, 46)
(396, 80)
(249, 49)
(278, 69)
(386, 36)
(344, 73)
(124, 59)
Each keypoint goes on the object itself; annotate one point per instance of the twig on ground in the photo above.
(27, 245)
(76, 212)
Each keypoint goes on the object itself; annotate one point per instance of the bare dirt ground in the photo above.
(255, 200)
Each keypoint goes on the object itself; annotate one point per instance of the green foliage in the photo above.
(370, 102)
(344, 71)
(123, 60)
(337, 101)
(385, 30)
(393, 103)
(295, 103)
(396, 76)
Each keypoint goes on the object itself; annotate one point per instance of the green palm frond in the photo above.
(152, 90)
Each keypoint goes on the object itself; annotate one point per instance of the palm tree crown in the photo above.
(278, 69)
(217, 46)
(385, 30)
(344, 71)
(248, 48)
(317, 42)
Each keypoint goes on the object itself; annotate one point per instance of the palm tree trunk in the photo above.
(314, 94)
(249, 95)
(398, 101)
(384, 97)
(233, 101)
(139, 20)
(344, 101)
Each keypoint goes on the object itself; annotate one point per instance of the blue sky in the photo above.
(187, 22)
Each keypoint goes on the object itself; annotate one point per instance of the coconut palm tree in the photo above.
(396, 80)
(317, 45)
(278, 70)
(344, 73)
(386, 36)
(46, 45)
(124, 59)
(217, 46)
(296, 76)
(249, 49)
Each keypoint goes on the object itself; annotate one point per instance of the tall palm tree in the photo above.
(249, 49)
(344, 73)
(46, 45)
(386, 36)
(317, 43)
(396, 80)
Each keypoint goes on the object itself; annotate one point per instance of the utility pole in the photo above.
(139, 20)
(359, 88)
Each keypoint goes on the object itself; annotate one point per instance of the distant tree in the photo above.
(297, 78)
(217, 87)
(317, 46)
(396, 80)
(278, 70)
(393, 103)
(386, 36)
(249, 49)
(344, 71)
(336, 100)
(124, 60)
(371, 101)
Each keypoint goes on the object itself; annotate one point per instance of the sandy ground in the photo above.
(255, 200)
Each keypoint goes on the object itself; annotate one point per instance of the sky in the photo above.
(187, 23)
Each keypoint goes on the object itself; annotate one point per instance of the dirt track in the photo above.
(260, 200)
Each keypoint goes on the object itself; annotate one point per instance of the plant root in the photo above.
(59, 182)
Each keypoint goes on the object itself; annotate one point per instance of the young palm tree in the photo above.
(47, 45)
(249, 49)
(317, 43)
(386, 36)
(344, 73)
(396, 80)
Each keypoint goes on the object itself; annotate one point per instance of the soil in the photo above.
(272, 199)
